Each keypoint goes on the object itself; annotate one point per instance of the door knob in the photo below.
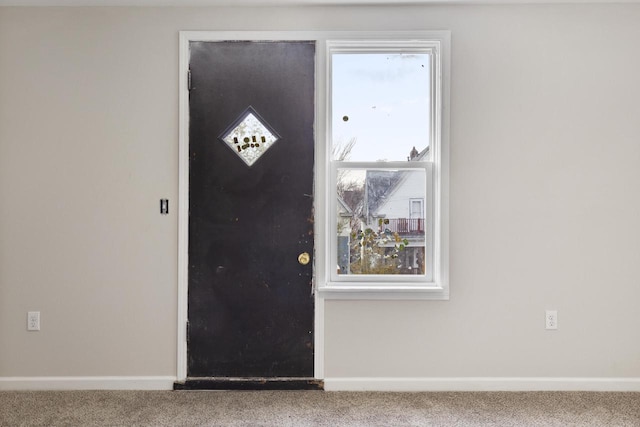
(304, 258)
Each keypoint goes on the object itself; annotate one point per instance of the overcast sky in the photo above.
(385, 101)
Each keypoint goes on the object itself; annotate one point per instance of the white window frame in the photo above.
(431, 286)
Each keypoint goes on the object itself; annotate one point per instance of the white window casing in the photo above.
(434, 283)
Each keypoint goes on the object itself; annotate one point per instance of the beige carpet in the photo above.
(316, 408)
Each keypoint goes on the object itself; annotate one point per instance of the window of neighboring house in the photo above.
(386, 165)
(416, 208)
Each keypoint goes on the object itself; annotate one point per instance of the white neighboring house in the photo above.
(394, 201)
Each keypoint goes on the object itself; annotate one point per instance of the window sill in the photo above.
(382, 291)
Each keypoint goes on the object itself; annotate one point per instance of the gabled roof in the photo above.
(343, 208)
(380, 183)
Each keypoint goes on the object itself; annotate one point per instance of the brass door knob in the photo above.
(304, 258)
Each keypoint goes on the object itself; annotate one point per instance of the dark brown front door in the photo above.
(251, 164)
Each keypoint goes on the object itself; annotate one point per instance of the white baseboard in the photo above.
(86, 383)
(483, 384)
(345, 384)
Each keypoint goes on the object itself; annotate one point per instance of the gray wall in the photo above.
(545, 147)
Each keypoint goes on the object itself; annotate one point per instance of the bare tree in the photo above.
(342, 151)
(349, 191)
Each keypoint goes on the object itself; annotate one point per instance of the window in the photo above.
(387, 167)
(416, 208)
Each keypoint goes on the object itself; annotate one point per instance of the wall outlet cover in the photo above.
(33, 321)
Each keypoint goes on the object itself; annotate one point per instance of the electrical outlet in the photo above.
(551, 318)
(33, 321)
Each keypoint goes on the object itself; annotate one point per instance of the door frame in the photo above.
(183, 179)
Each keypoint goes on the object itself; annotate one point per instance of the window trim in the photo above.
(329, 286)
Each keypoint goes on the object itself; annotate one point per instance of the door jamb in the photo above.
(183, 180)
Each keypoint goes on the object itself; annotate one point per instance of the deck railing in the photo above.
(403, 225)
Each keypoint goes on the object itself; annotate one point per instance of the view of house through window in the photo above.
(377, 231)
(381, 127)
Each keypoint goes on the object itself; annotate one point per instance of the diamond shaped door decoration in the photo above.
(249, 136)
